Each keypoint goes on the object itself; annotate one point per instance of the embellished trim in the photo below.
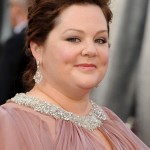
(90, 122)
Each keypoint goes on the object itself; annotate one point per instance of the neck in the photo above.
(76, 105)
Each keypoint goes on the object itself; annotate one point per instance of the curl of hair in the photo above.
(42, 18)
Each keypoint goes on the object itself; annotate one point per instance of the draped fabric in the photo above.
(22, 128)
(125, 89)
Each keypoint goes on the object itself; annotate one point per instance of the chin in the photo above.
(89, 85)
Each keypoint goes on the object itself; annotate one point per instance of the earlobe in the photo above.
(35, 49)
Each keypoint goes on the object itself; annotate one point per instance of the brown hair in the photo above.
(42, 19)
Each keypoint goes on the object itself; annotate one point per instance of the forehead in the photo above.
(76, 15)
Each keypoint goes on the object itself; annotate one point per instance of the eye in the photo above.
(73, 39)
(101, 41)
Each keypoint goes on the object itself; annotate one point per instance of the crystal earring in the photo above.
(38, 76)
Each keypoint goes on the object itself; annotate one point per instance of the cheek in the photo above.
(104, 56)
(67, 56)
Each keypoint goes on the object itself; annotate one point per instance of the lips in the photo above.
(86, 67)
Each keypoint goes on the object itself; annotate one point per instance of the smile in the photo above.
(88, 67)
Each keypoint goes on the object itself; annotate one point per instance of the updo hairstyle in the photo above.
(42, 18)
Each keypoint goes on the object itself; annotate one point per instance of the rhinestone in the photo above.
(90, 122)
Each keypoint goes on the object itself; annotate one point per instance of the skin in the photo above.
(73, 60)
(17, 13)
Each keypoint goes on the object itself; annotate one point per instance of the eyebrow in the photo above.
(78, 30)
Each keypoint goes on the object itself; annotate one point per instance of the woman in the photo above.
(68, 41)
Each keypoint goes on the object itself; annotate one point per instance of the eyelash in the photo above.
(101, 41)
(73, 39)
(77, 40)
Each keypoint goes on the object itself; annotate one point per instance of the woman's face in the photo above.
(75, 55)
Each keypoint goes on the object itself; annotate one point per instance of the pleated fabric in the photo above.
(21, 128)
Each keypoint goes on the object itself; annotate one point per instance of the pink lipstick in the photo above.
(88, 67)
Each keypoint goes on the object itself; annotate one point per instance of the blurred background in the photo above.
(5, 27)
(13, 59)
(126, 86)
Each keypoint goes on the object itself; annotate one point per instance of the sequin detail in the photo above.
(90, 122)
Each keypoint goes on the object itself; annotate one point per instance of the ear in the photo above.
(36, 51)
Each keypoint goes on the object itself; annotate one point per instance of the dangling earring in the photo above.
(38, 76)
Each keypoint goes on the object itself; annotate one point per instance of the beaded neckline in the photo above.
(90, 122)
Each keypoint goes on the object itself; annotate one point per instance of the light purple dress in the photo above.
(29, 127)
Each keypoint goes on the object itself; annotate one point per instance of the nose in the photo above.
(89, 50)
